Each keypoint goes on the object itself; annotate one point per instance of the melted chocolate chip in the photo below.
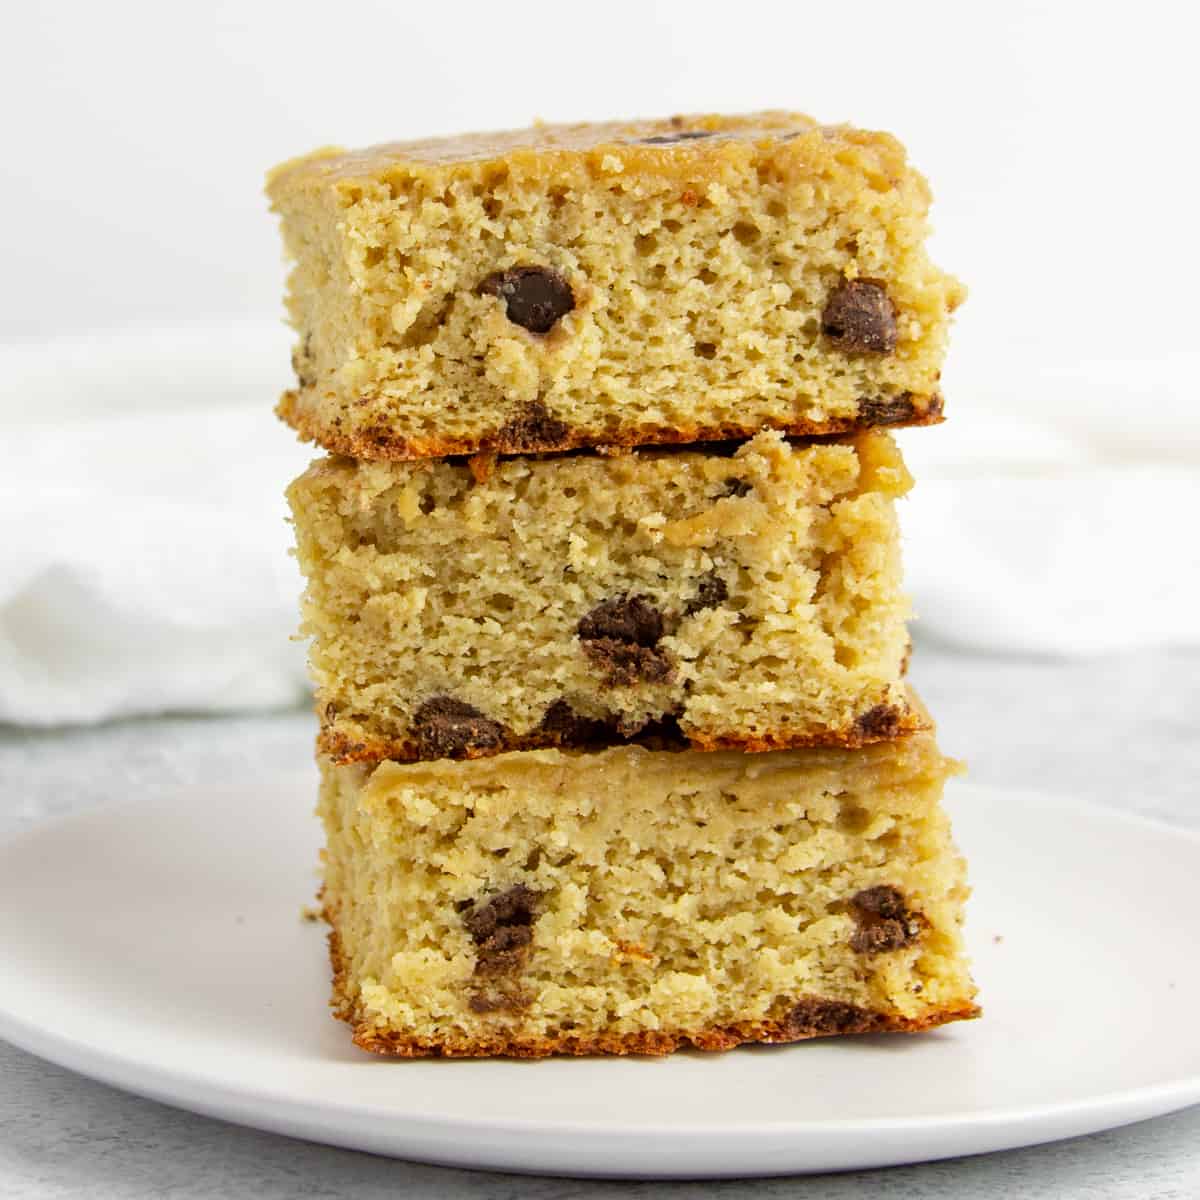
(534, 297)
(859, 317)
(620, 635)
(563, 726)
(502, 929)
(448, 728)
(880, 722)
(682, 135)
(711, 592)
(663, 733)
(814, 1017)
(534, 427)
(503, 920)
(882, 900)
(625, 664)
(507, 960)
(624, 618)
(886, 410)
(878, 937)
(885, 922)
(510, 1000)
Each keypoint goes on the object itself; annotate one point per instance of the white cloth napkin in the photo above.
(145, 561)
(1055, 513)
(145, 567)
(1072, 562)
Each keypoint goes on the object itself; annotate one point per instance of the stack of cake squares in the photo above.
(604, 587)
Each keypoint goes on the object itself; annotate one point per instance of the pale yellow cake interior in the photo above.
(669, 895)
(700, 269)
(776, 571)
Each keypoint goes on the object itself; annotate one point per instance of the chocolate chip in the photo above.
(815, 1017)
(737, 487)
(448, 728)
(886, 410)
(859, 316)
(534, 427)
(487, 1002)
(623, 618)
(504, 916)
(501, 961)
(625, 664)
(663, 733)
(563, 726)
(534, 297)
(502, 929)
(882, 900)
(711, 592)
(682, 135)
(510, 937)
(885, 922)
(879, 723)
(878, 937)
(509, 1000)
(621, 636)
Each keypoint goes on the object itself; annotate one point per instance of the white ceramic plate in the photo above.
(159, 947)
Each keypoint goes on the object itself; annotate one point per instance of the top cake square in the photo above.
(682, 280)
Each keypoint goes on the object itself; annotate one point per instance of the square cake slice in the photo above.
(682, 280)
(635, 901)
(745, 600)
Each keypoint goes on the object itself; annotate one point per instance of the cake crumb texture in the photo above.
(747, 599)
(634, 901)
(681, 280)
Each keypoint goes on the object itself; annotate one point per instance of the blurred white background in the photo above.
(141, 342)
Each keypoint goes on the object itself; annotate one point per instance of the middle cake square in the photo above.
(721, 597)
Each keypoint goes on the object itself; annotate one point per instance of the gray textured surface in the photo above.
(1122, 731)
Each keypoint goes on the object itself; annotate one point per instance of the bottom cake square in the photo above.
(635, 901)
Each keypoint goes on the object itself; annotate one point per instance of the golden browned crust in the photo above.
(377, 443)
(716, 1037)
(800, 1021)
(880, 724)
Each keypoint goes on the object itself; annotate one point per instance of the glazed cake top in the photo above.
(698, 145)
